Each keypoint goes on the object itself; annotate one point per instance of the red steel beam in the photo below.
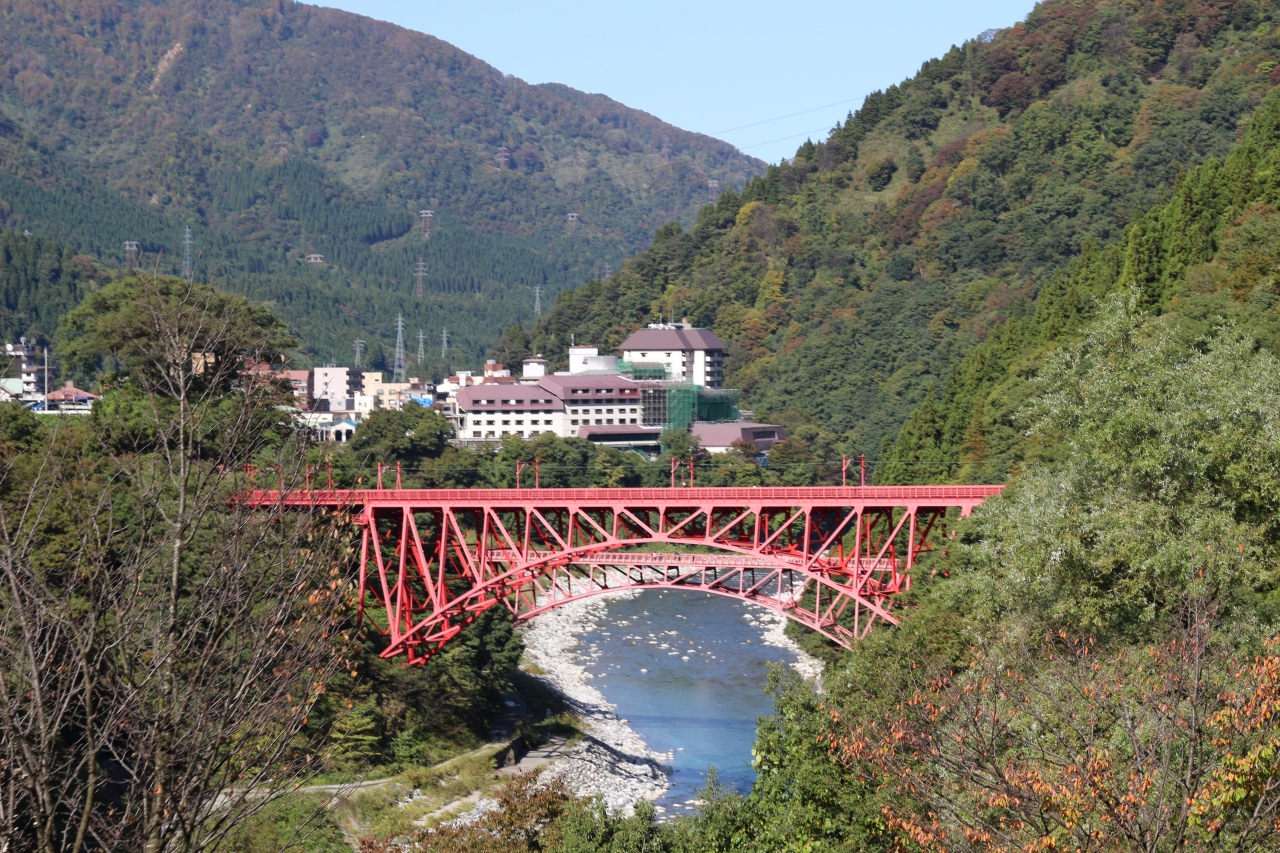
(827, 557)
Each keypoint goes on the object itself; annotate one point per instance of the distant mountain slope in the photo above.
(851, 280)
(277, 129)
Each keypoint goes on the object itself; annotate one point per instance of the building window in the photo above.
(608, 411)
(599, 411)
(609, 420)
(519, 423)
(573, 422)
(488, 423)
(475, 434)
(599, 421)
(506, 423)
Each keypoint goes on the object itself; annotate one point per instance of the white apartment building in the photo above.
(30, 369)
(688, 355)
(330, 389)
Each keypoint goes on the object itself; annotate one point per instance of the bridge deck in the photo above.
(898, 496)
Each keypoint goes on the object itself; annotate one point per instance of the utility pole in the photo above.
(422, 355)
(422, 271)
(187, 270)
(537, 300)
(426, 216)
(359, 352)
(444, 341)
(397, 370)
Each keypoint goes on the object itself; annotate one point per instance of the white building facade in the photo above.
(688, 355)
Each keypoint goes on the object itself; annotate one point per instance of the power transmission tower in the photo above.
(608, 270)
(503, 157)
(444, 341)
(187, 270)
(397, 370)
(426, 217)
(714, 188)
(359, 352)
(573, 221)
(537, 300)
(130, 254)
(422, 270)
(422, 341)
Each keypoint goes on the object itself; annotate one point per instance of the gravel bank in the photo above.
(774, 626)
(612, 761)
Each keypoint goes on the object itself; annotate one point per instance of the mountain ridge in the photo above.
(162, 104)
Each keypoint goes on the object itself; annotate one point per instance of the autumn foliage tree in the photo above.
(163, 643)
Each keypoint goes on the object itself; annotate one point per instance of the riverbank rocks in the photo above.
(612, 761)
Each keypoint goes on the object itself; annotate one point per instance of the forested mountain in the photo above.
(1207, 256)
(275, 130)
(854, 279)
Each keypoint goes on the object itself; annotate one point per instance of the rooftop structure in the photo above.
(686, 354)
(720, 438)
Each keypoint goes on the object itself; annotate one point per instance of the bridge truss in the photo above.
(830, 558)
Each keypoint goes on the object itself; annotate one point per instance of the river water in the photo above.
(687, 671)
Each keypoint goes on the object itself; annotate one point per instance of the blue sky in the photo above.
(731, 70)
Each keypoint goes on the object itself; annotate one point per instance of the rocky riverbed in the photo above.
(612, 761)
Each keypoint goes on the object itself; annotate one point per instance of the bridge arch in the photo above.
(829, 558)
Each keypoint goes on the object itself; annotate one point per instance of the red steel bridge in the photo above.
(831, 558)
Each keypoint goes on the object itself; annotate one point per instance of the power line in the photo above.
(783, 138)
(780, 118)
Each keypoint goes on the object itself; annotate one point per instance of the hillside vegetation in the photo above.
(852, 280)
(277, 130)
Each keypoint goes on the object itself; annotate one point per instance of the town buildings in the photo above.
(670, 376)
(666, 376)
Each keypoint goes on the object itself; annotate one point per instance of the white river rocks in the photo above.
(612, 761)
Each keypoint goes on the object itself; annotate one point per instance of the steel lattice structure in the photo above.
(831, 558)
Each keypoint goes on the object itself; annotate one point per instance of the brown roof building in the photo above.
(687, 355)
